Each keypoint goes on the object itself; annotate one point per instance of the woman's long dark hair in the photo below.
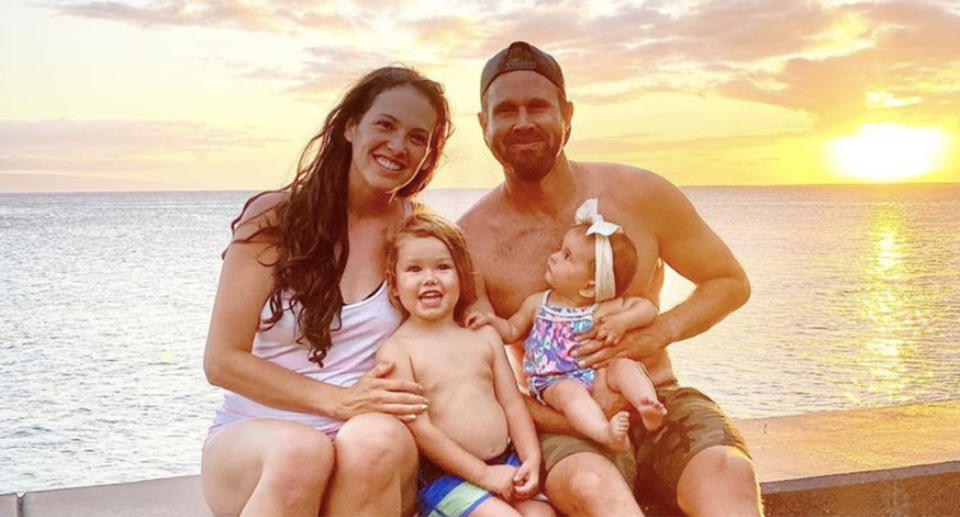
(310, 227)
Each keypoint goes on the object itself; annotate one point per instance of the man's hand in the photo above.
(636, 344)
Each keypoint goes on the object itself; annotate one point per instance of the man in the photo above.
(697, 459)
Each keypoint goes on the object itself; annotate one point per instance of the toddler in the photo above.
(480, 453)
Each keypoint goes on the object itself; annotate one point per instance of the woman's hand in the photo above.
(374, 394)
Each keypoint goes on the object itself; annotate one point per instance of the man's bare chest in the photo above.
(513, 263)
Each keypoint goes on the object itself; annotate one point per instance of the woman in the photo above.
(308, 422)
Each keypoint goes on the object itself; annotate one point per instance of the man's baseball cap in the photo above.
(521, 55)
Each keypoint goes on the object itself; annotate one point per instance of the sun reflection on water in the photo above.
(886, 305)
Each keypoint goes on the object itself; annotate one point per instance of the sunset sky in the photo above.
(223, 94)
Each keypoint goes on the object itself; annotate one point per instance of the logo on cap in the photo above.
(521, 64)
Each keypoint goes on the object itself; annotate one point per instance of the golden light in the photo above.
(888, 152)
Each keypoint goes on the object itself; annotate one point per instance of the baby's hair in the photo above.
(425, 224)
(624, 257)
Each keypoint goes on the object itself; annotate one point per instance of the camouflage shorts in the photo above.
(693, 423)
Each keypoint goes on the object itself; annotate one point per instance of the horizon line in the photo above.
(682, 186)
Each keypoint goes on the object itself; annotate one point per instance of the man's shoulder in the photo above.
(623, 175)
(623, 183)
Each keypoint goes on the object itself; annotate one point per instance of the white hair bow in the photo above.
(605, 284)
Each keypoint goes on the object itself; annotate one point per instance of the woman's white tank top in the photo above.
(364, 325)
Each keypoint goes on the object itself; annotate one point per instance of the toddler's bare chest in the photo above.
(452, 363)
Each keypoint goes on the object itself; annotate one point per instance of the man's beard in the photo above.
(530, 165)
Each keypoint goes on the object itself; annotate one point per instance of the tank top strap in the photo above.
(546, 296)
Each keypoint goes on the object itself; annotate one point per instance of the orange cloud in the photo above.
(825, 58)
(231, 13)
(915, 54)
(112, 145)
(331, 68)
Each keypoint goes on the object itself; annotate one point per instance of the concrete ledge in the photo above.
(9, 505)
(936, 495)
(900, 461)
(892, 461)
(169, 497)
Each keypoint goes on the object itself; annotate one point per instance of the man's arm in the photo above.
(698, 254)
(694, 251)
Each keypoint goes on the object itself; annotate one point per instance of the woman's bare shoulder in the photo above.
(260, 211)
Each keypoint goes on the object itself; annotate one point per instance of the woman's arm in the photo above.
(245, 284)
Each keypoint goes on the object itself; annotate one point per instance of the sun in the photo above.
(888, 152)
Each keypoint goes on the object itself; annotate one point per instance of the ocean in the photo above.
(105, 300)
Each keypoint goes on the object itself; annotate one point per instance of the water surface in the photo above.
(106, 301)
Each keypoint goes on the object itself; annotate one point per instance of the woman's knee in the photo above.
(298, 456)
(285, 461)
(375, 443)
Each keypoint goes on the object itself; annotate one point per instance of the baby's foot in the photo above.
(619, 432)
(651, 412)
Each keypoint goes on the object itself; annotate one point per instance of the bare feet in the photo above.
(619, 428)
(651, 412)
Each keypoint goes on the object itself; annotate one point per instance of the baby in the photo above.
(480, 453)
(595, 263)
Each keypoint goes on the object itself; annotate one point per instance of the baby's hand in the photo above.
(526, 481)
(611, 329)
(498, 479)
(478, 319)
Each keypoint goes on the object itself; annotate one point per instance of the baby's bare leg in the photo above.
(628, 378)
(573, 400)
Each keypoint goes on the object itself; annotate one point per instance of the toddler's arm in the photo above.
(510, 330)
(519, 423)
(440, 448)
